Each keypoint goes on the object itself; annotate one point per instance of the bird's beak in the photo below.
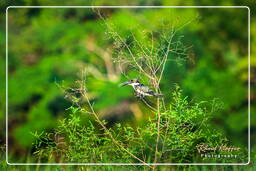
(124, 83)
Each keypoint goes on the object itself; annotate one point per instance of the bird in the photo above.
(140, 89)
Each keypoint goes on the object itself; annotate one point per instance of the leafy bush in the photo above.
(183, 126)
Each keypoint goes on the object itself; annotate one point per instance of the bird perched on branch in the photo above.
(140, 89)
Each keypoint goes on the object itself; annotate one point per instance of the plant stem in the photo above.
(110, 134)
(158, 130)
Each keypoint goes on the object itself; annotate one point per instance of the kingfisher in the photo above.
(140, 89)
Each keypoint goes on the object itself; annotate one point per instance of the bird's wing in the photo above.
(145, 89)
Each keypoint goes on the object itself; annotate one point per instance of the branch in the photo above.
(84, 94)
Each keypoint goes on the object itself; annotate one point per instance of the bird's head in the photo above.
(131, 82)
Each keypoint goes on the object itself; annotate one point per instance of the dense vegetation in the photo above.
(182, 126)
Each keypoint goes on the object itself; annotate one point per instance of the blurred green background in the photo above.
(51, 45)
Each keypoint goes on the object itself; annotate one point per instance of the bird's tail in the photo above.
(158, 95)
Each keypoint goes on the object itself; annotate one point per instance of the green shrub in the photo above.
(183, 126)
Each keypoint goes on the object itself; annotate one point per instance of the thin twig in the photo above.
(145, 102)
(110, 135)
